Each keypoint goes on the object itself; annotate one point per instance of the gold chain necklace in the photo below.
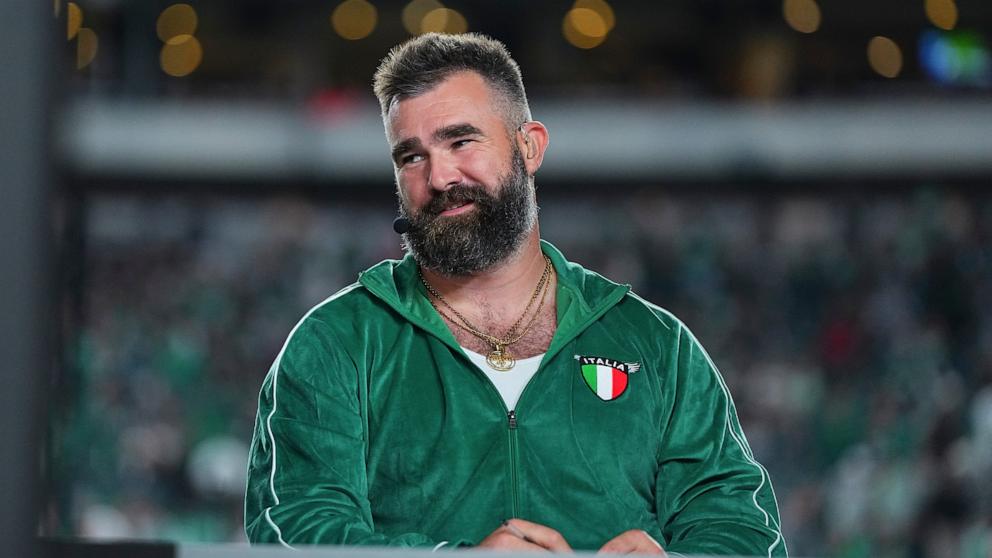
(499, 357)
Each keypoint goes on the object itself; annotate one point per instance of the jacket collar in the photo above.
(582, 296)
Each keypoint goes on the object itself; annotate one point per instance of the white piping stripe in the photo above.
(276, 527)
(272, 438)
(745, 449)
(439, 545)
(272, 474)
(268, 421)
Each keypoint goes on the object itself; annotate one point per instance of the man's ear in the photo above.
(533, 143)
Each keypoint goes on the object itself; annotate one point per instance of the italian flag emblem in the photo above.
(607, 378)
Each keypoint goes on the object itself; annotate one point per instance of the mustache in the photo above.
(458, 195)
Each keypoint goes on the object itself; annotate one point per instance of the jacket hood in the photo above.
(582, 296)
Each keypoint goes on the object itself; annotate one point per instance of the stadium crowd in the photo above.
(855, 331)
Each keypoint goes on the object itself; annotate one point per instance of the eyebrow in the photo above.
(402, 147)
(456, 131)
(441, 134)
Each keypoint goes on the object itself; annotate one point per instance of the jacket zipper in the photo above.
(514, 503)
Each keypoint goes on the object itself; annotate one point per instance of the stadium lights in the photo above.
(942, 13)
(588, 23)
(802, 15)
(415, 12)
(181, 52)
(87, 44)
(444, 20)
(884, 56)
(354, 19)
(74, 20)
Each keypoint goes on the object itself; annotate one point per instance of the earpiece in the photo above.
(527, 140)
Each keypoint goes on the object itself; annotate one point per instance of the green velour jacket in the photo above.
(374, 428)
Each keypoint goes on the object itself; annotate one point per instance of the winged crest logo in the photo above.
(606, 377)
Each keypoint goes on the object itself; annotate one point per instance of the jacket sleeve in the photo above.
(307, 479)
(713, 497)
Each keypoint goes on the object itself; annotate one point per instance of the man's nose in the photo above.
(444, 172)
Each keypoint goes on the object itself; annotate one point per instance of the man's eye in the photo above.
(462, 142)
(412, 158)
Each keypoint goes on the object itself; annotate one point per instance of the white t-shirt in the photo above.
(511, 383)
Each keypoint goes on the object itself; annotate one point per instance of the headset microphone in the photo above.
(401, 225)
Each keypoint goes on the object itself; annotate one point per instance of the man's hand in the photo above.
(517, 534)
(634, 541)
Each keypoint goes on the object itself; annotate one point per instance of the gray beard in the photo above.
(480, 239)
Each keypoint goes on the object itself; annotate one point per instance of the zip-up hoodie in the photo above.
(375, 428)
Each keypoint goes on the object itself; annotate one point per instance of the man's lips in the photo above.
(460, 208)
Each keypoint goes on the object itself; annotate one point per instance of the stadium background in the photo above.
(805, 185)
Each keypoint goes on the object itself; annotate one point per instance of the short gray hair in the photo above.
(421, 63)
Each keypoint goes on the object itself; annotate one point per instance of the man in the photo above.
(484, 391)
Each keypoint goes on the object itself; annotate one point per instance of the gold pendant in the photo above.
(499, 359)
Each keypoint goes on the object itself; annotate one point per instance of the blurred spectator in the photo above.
(856, 334)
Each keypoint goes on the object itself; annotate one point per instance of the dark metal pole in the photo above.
(26, 80)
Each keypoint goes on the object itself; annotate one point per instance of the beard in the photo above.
(481, 238)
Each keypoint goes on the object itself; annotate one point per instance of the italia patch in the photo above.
(607, 378)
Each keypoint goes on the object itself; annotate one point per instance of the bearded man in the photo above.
(484, 391)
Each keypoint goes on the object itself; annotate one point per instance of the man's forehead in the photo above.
(464, 97)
